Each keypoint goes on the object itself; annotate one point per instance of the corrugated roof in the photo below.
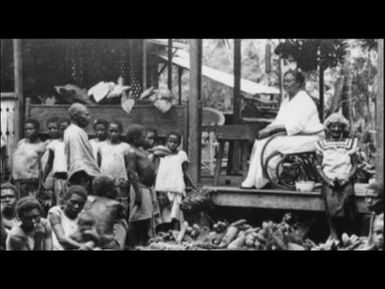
(247, 86)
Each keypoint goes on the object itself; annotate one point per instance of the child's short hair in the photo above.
(177, 134)
(118, 123)
(102, 122)
(78, 190)
(153, 130)
(34, 122)
(26, 204)
(133, 132)
(104, 186)
(52, 120)
(9, 186)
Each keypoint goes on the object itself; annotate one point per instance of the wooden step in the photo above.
(277, 198)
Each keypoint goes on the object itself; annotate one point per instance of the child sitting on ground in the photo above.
(33, 233)
(170, 182)
(109, 215)
(57, 163)
(100, 128)
(87, 234)
(112, 160)
(336, 165)
(27, 170)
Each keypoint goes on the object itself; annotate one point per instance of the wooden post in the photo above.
(180, 74)
(18, 66)
(237, 81)
(169, 83)
(235, 164)
(144, 65)
(195, 109)
(321, 92)
(380, 114)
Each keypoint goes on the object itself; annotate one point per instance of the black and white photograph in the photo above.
(191, 144)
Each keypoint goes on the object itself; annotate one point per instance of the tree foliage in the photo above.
(309, 53)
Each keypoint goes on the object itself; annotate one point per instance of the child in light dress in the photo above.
(100, 128)
(112, 160)
(171, 181)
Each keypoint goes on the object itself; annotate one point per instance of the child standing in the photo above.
(142, 177)
(100, 128)
(112, 160)
(151, 138)
(57, 163)
(336, 165)
(170, 181)
(150, 142)
(27, 171)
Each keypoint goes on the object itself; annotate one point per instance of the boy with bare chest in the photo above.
(142, 177)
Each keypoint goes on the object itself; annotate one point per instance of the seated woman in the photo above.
(63, 219)
(298, 123)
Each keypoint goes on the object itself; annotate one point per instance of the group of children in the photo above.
(149, 182)
(149, 179)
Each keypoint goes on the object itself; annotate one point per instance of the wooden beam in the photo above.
(321, 92)
(144, 65)
(380, 114)
(180, 74)
(235, 164)
(169, 83)
(195, 109)
(237, 81)
(18, 69)
(278, 199)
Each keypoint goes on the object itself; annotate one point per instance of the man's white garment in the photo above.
(78, 152)
(299, 116)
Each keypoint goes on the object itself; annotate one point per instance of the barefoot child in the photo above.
(100, 128)
(170, 181)
(112, 160)
(142, 177)
(57, 163)
(27, 169)
(337, 163)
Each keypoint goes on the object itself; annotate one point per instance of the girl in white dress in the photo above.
(170, 182)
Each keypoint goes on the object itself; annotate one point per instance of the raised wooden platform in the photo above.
(278, 199)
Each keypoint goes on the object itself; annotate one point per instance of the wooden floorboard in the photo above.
(231, 196)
